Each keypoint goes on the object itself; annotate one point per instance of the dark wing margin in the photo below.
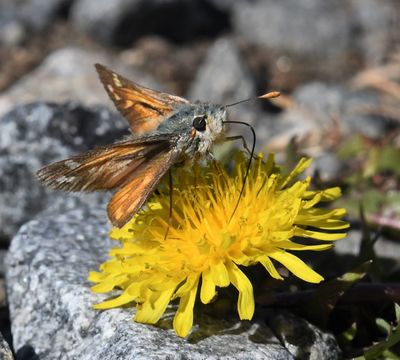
(144, 108)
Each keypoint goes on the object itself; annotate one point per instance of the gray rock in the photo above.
(12, 29)
(278, 131)
(376, 22)
(2, 259)
(3, 295)
(3, 253)
(356, 121)
(68, 75)
(40, 14)
(304, 340)
(223, 79)
(384, 247)
(324, 101)
(101, 18)
(327, 102)
(5, 351)
(320, 29)
(35, 135)
(328, 166)
(51, 313)
(320, 108)
(316, 104)
(33, 15)
(120, 22)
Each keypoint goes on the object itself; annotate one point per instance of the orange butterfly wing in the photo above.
(103, 168)
(144, 108)
(131, 196)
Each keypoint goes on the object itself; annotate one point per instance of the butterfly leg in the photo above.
(240, 137)
(171, 189)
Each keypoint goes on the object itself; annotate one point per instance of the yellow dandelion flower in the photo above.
(207, 246)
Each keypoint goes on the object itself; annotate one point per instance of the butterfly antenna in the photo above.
(269, 95)
(248, 164)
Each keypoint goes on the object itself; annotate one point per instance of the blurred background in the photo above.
(336, 63)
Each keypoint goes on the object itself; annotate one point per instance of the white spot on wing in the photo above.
(65, 179)
(71, 164)
(117, 82)
(113, 93)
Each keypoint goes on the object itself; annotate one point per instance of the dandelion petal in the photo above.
(246, 298)
(151, 312)
(269, 266)
(220, 274)
(183, 320)
(207, 292)
(296, 266)
(123, 299)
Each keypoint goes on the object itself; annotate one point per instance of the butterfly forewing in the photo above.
(103, 168)
(131, 196)
(144, 108)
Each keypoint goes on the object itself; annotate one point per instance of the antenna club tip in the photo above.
(270, 95)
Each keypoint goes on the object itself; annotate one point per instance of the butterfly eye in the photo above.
(199, 122)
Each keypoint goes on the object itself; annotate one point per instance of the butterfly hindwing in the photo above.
(144, 108)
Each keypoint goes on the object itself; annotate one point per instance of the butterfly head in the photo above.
(207, 122)
(207, 127)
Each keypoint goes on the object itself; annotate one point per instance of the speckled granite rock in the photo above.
(35, 135)
(302, 339)
(319, 108)
(385, 248)
(5, 351)
(68, 74)
(223, 77)
(51, 314)
(324, 102)
(30, 16)
(311, 27)
(376, 23)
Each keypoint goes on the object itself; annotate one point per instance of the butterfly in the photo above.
(165, 130)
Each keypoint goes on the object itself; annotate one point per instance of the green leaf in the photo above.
(389, 160)
(383, 325)
(372, 200)
(349, 334)
(382, 348)
(351, 148)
